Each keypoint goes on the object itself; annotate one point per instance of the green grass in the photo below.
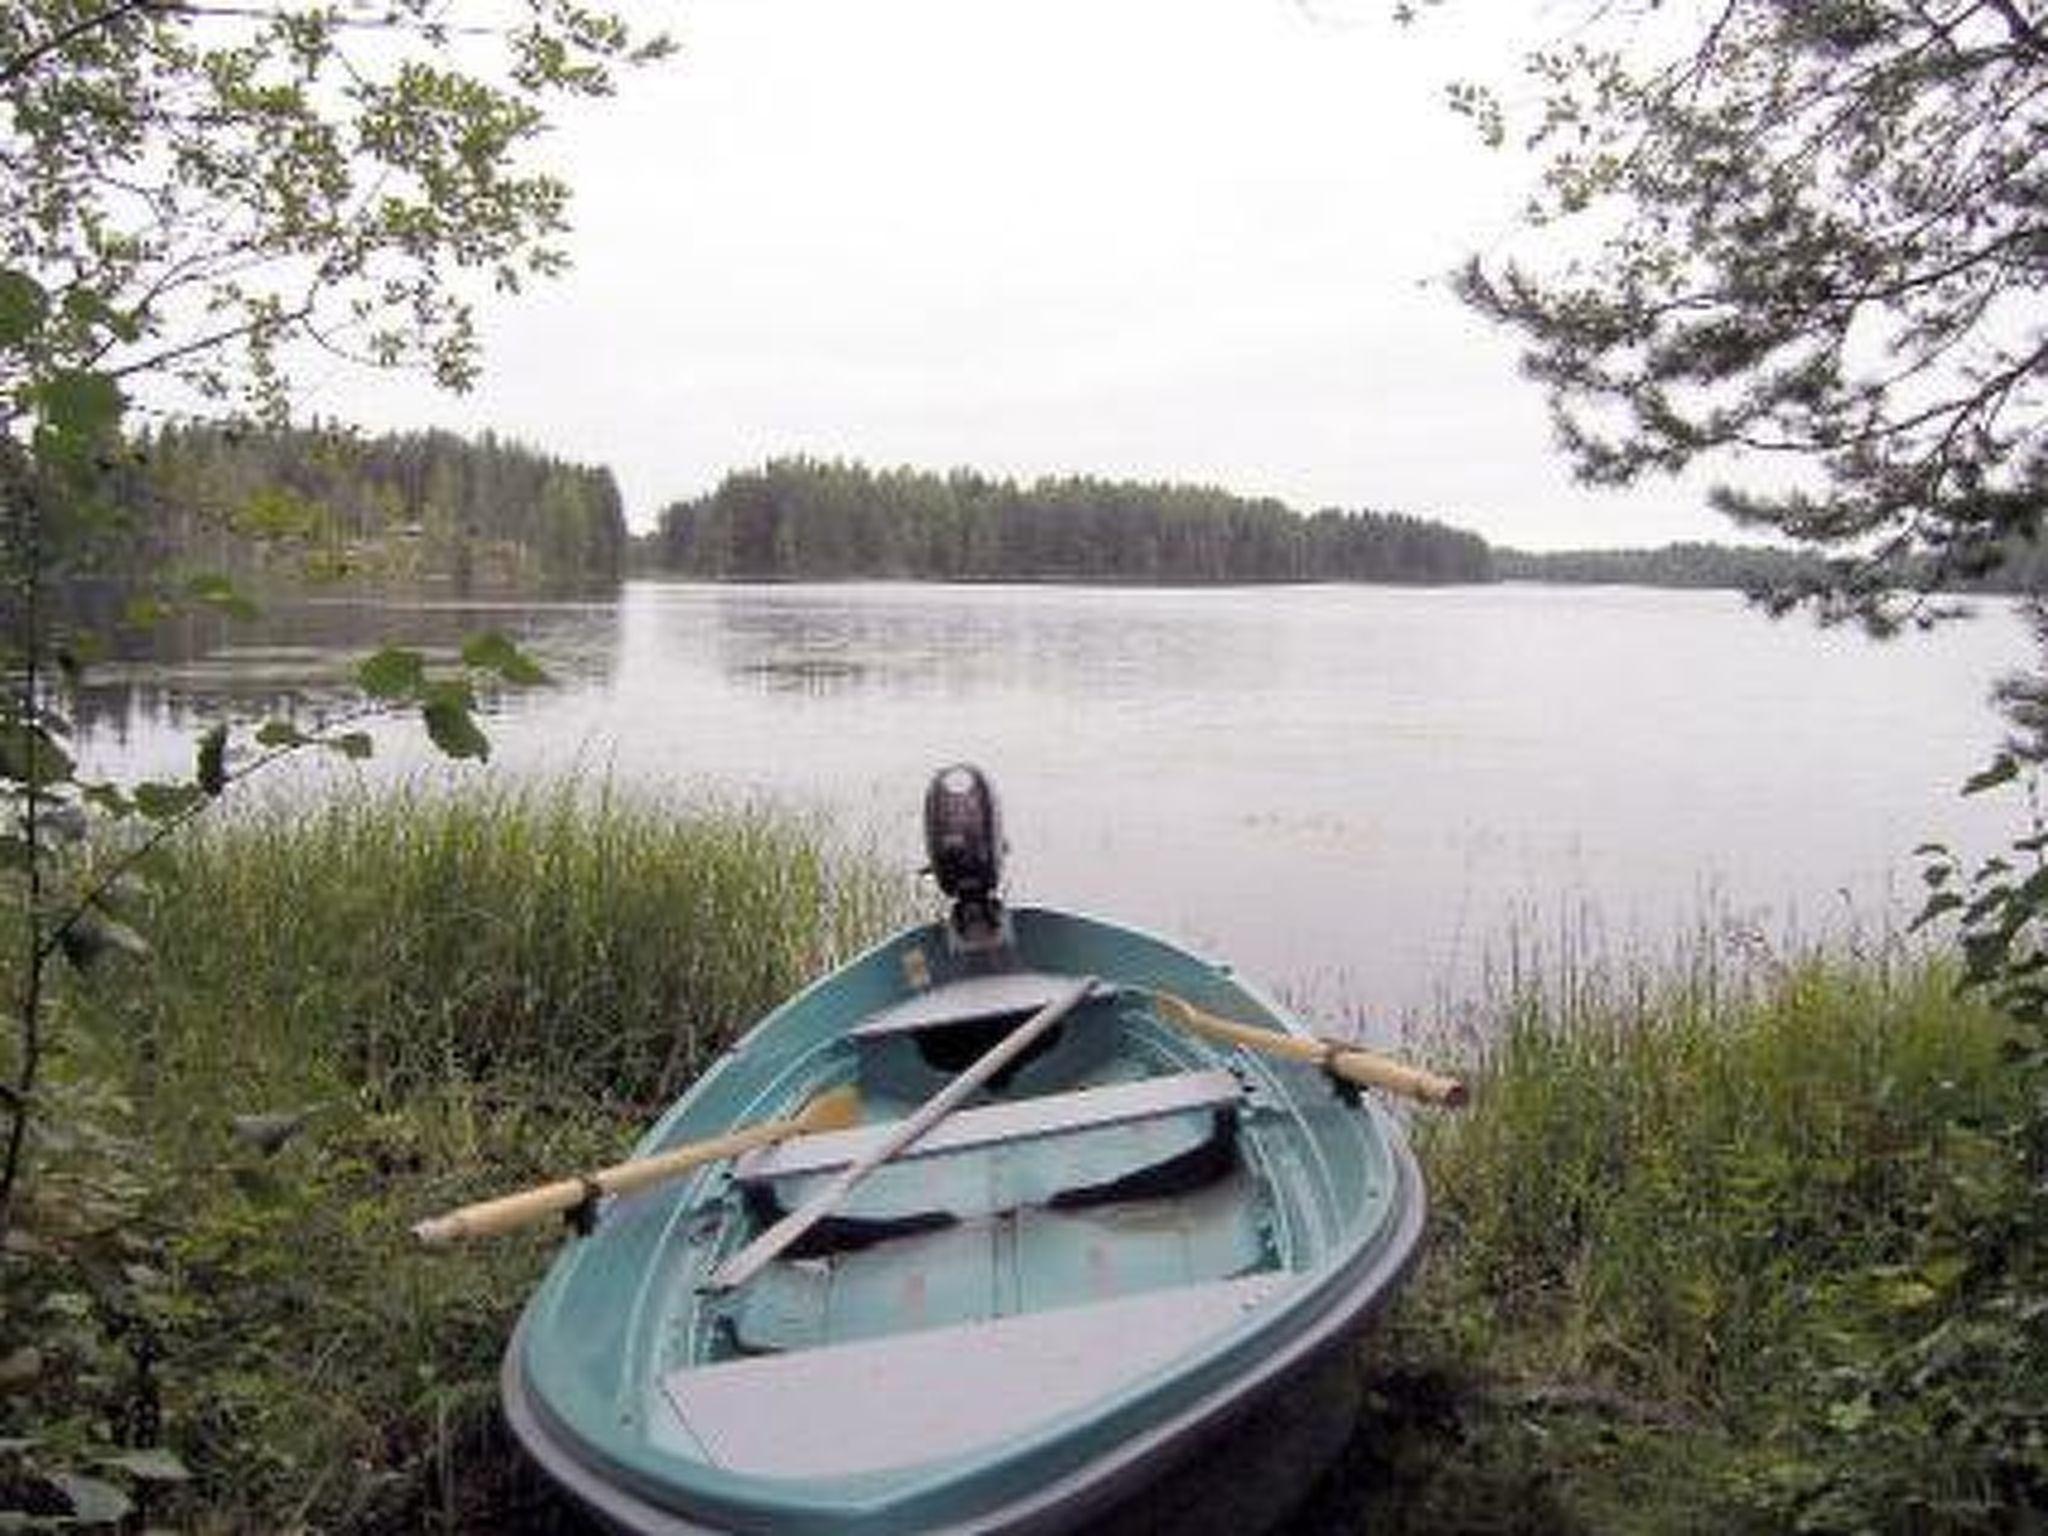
(1725, 1245)
(566, 936)
(463, 995)
(1716, 1252)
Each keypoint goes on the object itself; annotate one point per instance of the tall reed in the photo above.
(1769, 1224)
(1660, 1173)
(563, 935)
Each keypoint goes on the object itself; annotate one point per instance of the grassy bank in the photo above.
(447, 997)
(1716, 1249)
(1757, 1252)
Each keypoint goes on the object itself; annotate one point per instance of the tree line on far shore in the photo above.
(399, 509)
(803, 518)
(434, 507)
(1746, 567)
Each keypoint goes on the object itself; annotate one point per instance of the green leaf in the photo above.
(2004, 768)
(153, 1465)
(23, 306)
(278, 734)
(492, 652)
(161, 801)
(29, 755)
(357, 745)
(393, 674)
(452, 728)
(452, 691)
(145, 612)
(86, 307)
(94, 1501)
(77, 406)
(1945, 1271)
(211, 774)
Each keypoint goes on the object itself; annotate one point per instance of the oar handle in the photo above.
(1369, 1069)
(488, 1217)
(1354, 1064)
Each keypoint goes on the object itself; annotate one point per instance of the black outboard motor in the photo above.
(963, 837)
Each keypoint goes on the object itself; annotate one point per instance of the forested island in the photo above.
(399, 510)
(809, 519)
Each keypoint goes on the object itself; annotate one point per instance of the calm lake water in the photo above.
(1365, 797)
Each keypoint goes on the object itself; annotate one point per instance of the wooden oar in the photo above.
(756, 1256)
(833, 1110)
(1368, 1069)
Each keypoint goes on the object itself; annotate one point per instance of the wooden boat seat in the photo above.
(945, 1391)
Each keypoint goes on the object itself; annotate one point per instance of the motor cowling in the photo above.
(963, 835)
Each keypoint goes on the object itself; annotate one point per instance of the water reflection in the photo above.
(937, 641)
(1357, 794)
(295, 660)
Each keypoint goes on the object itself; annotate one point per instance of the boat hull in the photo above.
(1080, 1467)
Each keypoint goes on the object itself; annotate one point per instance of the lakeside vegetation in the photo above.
(399, 510)
(1729, 1250)
(353, 1016)
(1741, 1244)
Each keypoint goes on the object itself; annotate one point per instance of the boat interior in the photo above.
(1088, 1218)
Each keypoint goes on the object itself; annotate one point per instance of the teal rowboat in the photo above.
(1118, 1244)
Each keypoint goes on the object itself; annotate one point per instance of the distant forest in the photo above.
(1750, 568)
(804, 518)
(1746, 567)
(416, 507)
(435, 508)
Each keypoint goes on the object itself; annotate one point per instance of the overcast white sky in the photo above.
(1197, 240)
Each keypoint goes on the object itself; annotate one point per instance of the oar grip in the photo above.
(486, 1218)
(1354, 1064)
(1370, 1070)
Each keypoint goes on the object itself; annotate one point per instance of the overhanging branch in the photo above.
(18, 66)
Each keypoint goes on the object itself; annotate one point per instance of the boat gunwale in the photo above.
(1234, 1367)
